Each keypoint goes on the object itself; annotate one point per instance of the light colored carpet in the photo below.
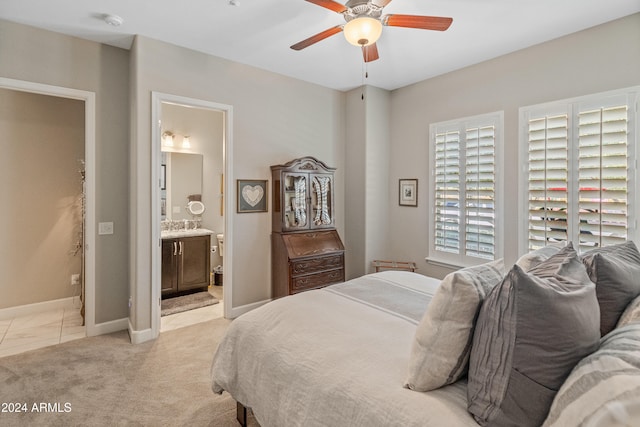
(107, 381)
(186, 302)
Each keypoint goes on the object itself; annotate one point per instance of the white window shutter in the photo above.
(602, 168)
(464, 193)
(548, 180)
(580, 170)
(447, 192)
(479, 192)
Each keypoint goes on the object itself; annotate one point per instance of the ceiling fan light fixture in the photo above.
(362, 31)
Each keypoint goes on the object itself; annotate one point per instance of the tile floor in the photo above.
(29, 332)
(186, 318)
(33, 331)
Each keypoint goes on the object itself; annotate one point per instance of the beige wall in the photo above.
(602, 58)
(355, 184)
(275, 119)
(42, 147)
(44, 57)
(367, 178)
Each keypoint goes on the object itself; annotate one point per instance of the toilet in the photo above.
(220, 238)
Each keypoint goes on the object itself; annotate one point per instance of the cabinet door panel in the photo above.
(169, 267)
(195, 263)
(321, 199)
(296, 196)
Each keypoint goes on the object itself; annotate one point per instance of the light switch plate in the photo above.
(105, 228)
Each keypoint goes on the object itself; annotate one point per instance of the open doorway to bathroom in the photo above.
(43, 268)
(190, 140)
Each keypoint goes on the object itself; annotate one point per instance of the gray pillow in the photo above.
(440, 351)
(531, 331)
(616, 272)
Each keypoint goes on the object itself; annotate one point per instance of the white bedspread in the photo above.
(336, 357)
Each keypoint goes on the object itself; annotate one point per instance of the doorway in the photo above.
(79, 200)
(197, 133)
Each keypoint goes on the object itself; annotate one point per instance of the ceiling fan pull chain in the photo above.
(364, 64)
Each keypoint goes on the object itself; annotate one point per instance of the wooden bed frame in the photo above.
(241, 414)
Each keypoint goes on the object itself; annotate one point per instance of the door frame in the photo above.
(89, 99)
(157, 99)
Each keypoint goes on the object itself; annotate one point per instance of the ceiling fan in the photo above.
(364, 24)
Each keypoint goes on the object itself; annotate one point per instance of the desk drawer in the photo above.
(317, 280)
(316, 264)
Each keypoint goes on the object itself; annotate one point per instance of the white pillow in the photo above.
(608, 375)
(441, 348)
(631, 313)
(533, 258)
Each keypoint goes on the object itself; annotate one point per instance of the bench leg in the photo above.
(241, 414)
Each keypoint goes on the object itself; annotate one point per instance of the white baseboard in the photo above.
(63, 303)
(39, 307)
(108, 327)
(237, 311)
(138, 337)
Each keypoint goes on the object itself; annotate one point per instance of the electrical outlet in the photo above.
(75, 279)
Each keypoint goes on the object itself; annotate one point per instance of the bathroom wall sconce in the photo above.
(167, 139)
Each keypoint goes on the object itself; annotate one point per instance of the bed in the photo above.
(291, 360)
(396, 348)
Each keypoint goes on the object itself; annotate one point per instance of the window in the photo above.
(580, 170)
(464, 191)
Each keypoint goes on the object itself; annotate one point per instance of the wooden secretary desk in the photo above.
(306, 250)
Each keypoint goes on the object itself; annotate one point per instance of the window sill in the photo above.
(445, 264)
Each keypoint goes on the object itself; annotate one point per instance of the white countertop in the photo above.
(185, 233)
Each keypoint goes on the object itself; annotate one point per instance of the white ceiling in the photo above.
(259, 32)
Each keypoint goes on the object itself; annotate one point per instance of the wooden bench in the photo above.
(381, 265)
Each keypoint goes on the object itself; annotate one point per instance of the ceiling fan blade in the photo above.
(415, 21)
(381, 3)
(370, 53)
(316, 38)
(330, 4)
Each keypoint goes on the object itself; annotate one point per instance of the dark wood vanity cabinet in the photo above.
(306, 250)
(186, 264)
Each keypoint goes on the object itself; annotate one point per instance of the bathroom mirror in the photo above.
(183, 179)
(195, 207)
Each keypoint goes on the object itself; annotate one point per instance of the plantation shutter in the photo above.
(603, 172)
(582, 157)
(480, 192)
(548, 180)
(447, 191)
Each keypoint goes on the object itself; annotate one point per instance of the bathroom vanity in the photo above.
(306, 250)
(186, 261)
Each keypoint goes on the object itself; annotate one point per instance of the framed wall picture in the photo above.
(408, 192)
(252, 195)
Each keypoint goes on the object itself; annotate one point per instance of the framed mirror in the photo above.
(183, 179)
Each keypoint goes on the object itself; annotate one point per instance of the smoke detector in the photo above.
(113, 20)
